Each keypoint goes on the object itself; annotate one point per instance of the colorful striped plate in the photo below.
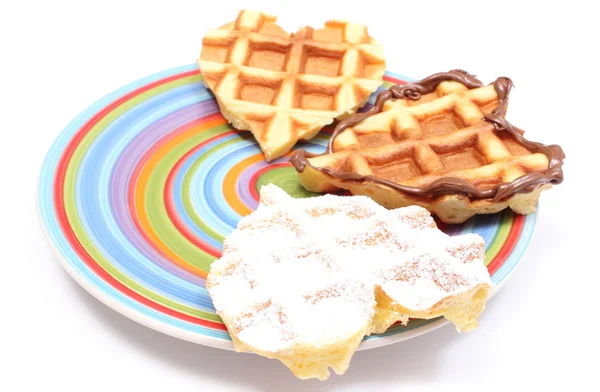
(138, 192)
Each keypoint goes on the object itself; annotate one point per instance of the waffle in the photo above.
(286, 87)
(441, 143)
(304, 280)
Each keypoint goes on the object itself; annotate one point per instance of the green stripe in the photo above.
(500, 238)
(286, 179)
(73, 216)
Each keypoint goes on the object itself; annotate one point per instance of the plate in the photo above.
(138, 192)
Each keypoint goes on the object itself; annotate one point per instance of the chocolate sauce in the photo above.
(449, 185)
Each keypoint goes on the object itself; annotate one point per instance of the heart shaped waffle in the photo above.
(285, 87)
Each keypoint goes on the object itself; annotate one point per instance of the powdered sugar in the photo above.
(304, 271)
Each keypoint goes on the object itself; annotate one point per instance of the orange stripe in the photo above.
(231, 180)
(142, 183)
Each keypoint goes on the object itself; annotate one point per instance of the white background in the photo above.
(57, 57)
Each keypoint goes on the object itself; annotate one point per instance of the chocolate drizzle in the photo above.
(449, 185)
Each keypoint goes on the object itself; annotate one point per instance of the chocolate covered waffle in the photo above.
(441, 143)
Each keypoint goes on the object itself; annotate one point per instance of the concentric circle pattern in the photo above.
(138, 192)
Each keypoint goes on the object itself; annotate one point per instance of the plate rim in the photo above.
(194, 337)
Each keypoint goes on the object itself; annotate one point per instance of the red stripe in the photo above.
(393, 80)
(509, 244)
(327, 129)
(58, 194)
(170, 205)
(254, 179)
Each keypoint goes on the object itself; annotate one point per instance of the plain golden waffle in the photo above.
(441, 143)
(304, 280)
(285, 87)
